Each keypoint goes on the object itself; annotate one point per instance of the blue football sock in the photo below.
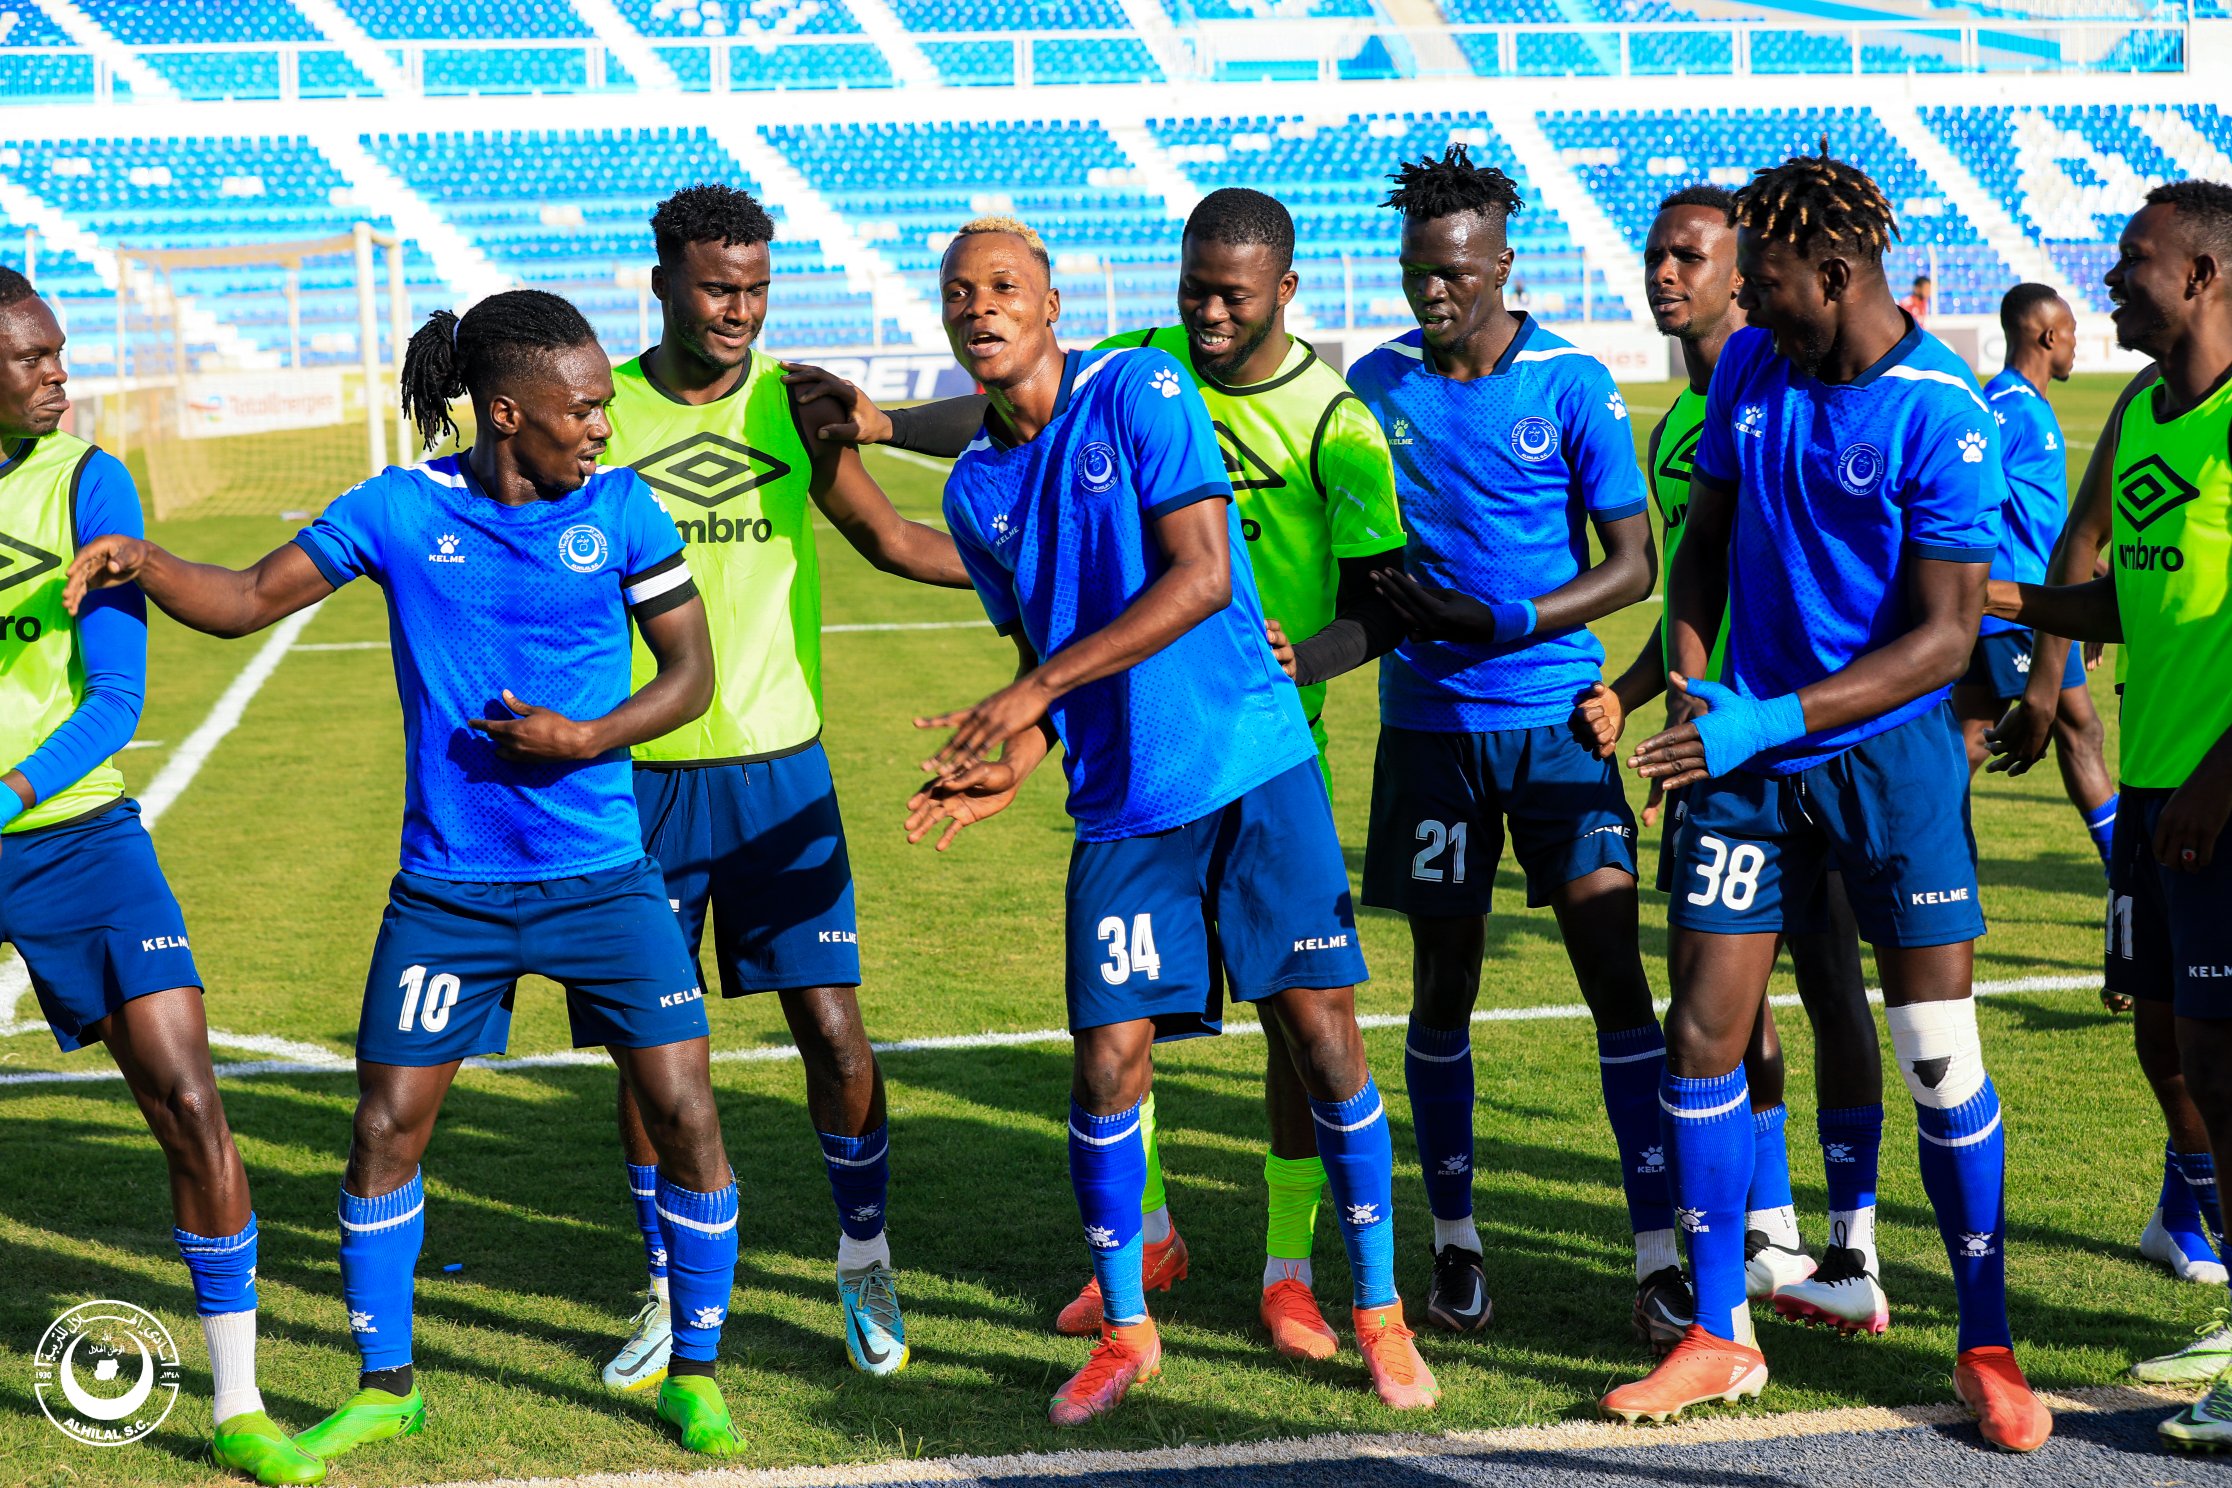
(1630, 1064)
(223, 1269)
(1963, 1168)
(2198, 1169)
(2100, 825)
(643, 1186)
(859, 1175)
(1359, 1156)
(1437, 1065)
(701, 1264)
(380, 1240)
(1709, 1136)
(1851, 1148)
(1770, 1181)
(1108, 1171)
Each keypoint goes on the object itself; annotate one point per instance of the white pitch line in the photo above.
(1422, 1452)
(342, 646)
(327, 1063)
(908, 625)
(927, 462)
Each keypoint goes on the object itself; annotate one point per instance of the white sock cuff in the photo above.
(1938, 1051)
(231, 1337)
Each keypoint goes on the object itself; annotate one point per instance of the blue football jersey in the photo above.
(1057, 536)
(1498, 479)
(1839, 489)
(482, 597)
(2031, 454)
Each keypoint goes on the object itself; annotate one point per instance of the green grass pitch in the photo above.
(282, 850)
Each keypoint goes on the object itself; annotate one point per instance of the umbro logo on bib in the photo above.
(20, 562)
(2144, 492)
(706, 470)
(1247, 470)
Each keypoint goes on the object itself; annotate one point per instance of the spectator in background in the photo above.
(1917, 302)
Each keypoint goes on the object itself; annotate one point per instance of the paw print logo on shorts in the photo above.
(1972, 447)
(1166, 382)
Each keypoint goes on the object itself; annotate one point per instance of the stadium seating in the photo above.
(1630, 161)
(758, 54)
(484, 69)
(526, 200)
(906, 187)
(1332, 175)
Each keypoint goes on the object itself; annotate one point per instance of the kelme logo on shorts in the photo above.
(20, 562)
(2147, 490)
(1534, 438)
(1096, 467)
(706, 470)
(1860, 469)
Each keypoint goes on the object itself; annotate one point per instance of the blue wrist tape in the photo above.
(1739, 728)
(1514, 621)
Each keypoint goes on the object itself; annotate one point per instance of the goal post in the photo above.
(255, 378)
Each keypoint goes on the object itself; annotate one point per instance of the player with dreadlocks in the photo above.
(1844, 509)
(1310, 475)
(1689, 266)
(512, 572)
(1508, 444)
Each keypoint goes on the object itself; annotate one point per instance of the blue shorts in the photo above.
(2169, 933)
(1890, 813)
(2001, 663)
(762, 846)
(1258, 887)
(85, 904)
(450, 956)
(1440, 803)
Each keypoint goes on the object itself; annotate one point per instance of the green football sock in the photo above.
(1153, 1197)
(1295, 1184)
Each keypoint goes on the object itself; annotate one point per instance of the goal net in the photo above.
(258, 378)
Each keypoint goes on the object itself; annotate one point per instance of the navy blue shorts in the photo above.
(2169, 932)
(1440, 803)
(2001, 663)
(450, 956)
(85, 904)
(1890, 813)
(762, 846)
(1258, 886)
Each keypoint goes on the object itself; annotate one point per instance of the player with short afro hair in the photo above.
(709, 213)
(1241, 217)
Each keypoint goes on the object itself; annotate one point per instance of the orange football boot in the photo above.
(1125, 1355)
(1298, 1329)
(1391, 1351)
(1700, 1369)
(1159, 1266)
(2008, 1411)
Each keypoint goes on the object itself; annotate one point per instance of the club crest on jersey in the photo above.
(1096, 467)
(1534, 438)
(20, 562)
(1860, 469)
(582, 548)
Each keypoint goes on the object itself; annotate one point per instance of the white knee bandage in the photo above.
(1937, 1049)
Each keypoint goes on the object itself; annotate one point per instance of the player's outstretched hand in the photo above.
(1282, 649)
(1598, 719)
(977, 731)
(959, 801)
(536, 733)
(1434, 613)
(2019, 740)
(2192, 820)
(1731, 729)
(103, 563)
(861, 422)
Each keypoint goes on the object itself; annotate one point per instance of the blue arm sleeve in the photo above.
(112, 644)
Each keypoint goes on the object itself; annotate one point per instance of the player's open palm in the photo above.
(103, 563)
(1020, 705)
(962, 800)
(534, 733)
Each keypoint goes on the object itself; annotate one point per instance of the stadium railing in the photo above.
(1275, 50)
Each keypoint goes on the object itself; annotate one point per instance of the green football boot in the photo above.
(2205, 1425)
(2197, 1363)
(367, 1416)
(252, 1444)
(692, 1404)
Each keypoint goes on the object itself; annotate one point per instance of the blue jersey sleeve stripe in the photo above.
(1169, 504)
(331, 572)
(1946, 554)
(1620, 513)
